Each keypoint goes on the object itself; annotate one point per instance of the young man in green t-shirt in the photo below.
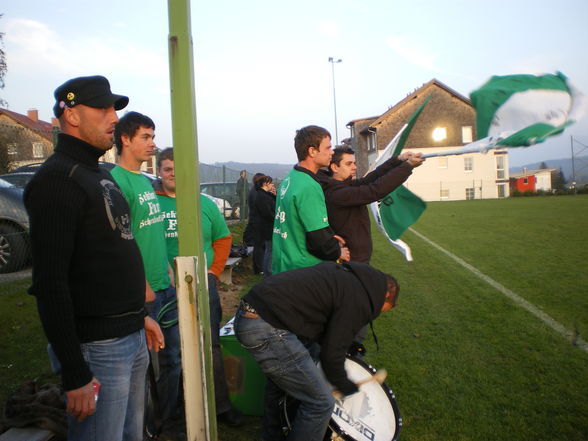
(134, 137)
(216, 244)
(302, 236)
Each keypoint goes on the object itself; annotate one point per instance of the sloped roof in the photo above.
(42, 127)
(415, 94)
(532, 172)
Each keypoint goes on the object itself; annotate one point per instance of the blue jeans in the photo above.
(288, 364)
(170, 362)
(120, 365)
(221, 390)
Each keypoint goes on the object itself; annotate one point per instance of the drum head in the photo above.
(370, 414)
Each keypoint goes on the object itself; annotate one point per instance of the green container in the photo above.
(245, 380)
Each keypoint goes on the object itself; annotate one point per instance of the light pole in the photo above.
(333, 61)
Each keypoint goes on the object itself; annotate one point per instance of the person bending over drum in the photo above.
(281, 318)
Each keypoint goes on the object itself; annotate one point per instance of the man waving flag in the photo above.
(511, 111)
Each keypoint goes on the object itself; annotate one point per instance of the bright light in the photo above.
(439, 134)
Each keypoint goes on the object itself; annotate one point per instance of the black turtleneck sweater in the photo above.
(88, 274)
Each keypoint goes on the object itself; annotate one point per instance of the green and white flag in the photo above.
(522, 110)
(401, 208)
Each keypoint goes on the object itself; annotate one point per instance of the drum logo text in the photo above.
(358, 425)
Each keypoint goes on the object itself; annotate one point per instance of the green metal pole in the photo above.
(183, 107)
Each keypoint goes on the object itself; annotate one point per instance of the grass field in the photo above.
(465, 362)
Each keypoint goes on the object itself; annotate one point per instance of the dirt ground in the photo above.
(231, 294)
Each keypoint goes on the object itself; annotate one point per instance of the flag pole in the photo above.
(191, 277)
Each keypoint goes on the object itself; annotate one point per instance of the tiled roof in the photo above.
(416, 93)
(42, 127)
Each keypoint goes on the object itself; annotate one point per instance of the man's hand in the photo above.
(345, 255)
(153, 335)
(415, 160)
(149, 293)
(81, 402)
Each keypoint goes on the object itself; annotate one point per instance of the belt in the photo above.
(248, 310)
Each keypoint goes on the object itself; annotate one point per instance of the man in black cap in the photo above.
(87, 271)
(281, 316)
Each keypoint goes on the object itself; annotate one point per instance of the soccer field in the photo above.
(466, 361)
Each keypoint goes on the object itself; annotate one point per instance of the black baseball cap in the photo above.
(90, 91)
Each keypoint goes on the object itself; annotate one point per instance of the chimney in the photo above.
(33, 115)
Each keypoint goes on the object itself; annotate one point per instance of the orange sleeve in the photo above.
(222, 249)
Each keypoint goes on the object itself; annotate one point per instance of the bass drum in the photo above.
(368, 415)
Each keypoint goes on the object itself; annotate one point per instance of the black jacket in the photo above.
(264, 210)
(327, 303)
(88, 274)
(346, 203)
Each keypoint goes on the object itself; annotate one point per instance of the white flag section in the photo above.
(401, 208)
(522, 110)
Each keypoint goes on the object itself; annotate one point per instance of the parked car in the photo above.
(14, 229)
(19, 179)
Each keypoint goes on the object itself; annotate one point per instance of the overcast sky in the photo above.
(262, 67)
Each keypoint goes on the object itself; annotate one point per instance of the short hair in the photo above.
(164, 154)
(264, 179)
(307, 137)
(339, 152)
(128, 126)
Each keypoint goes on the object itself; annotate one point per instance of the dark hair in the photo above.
(307, 137)
(167, 153)
(256, 176)
(128, 125)
(339, 152)
(264, 179)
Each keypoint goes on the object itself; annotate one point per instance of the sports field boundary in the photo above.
(570, 336)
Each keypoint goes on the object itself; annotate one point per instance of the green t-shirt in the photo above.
(300, 208)
(146, 224)
(214, 226)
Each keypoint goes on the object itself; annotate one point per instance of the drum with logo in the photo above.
(368, 415)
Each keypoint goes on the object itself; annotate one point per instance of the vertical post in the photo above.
(191, 279)
(55, 131)
(333, 61)
(224, 189)
(573, 165)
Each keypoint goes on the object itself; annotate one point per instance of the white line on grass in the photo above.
(545, 318)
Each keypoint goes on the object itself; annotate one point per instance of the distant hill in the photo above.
(277, 171)
(580, 167)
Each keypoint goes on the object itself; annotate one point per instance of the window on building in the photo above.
(466, 134)
(501, 191)
(442, 162)
(468, 164)
(444, 193)
(500, 167)
(12, 148)
(525, 181)
(372, 145)
(38, 150)
(470, 193)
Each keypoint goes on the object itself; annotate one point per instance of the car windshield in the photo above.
(4, 184)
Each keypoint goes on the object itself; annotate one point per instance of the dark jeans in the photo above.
(221, 392)
(258, 255)
(170, 362)
(287, 362)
